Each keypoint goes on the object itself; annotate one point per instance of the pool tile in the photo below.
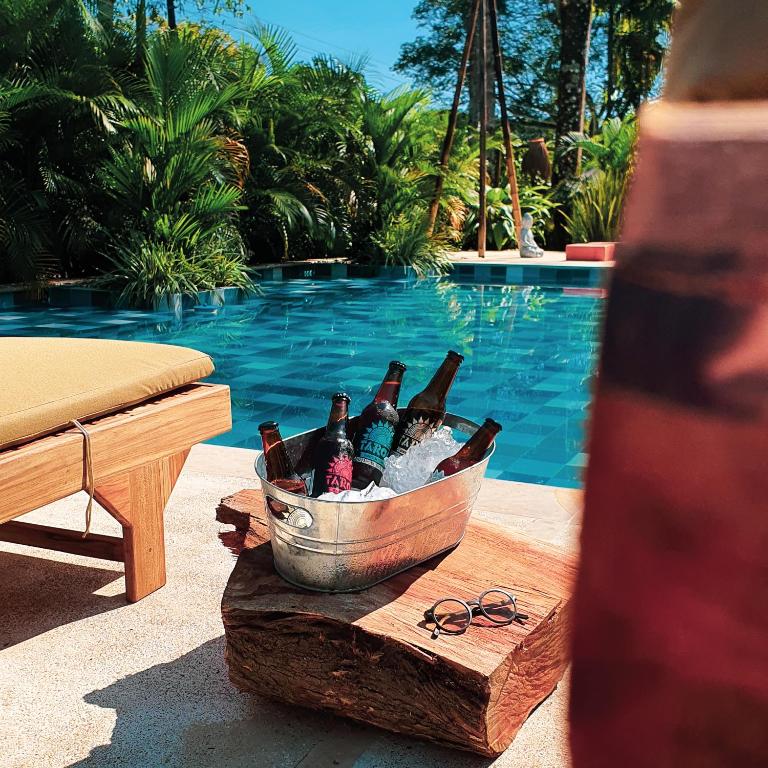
(530, 365)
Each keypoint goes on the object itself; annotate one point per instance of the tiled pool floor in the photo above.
(529, 356)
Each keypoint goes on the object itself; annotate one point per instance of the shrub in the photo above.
(145, 270)
(597, 207)
(405, 241)
(599, 193)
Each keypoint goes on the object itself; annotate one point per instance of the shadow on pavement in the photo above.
(42, 594)
(186, 713)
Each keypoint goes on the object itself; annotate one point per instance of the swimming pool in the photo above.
(529, 355)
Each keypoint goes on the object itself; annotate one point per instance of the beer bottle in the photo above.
(376, 429)
(470, 453)
(280, 471)
(333, 454)
(426, 410)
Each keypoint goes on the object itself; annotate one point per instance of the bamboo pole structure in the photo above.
(482, 212)
(481, 8)
(509, 151)
(452, 119)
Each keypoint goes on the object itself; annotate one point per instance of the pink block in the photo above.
(589, 251)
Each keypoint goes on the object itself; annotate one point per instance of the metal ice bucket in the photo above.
(335, 546)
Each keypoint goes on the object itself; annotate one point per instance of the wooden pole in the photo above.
(483, 128)
(511, 173)
(448, 142)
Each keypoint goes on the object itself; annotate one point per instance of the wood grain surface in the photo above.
(53, 467)
(370, 656)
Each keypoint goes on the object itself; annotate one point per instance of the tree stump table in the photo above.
(370, 656)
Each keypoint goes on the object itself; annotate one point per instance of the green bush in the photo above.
(146, 270)
(597, 207)
(174, 178)
(598, 196)
(405, 241)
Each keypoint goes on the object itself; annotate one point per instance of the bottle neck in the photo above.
(389, 391)
(337, 420)
(443, 379)
(276, 458)
(479, 443)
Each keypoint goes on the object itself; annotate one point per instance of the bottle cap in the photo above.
(341, 396)
(397, 364)
(455, 355)
(267, 425)
(493, 424)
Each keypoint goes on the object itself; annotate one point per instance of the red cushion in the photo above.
(589, 251)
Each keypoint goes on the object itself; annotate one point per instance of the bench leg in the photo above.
(137, 500)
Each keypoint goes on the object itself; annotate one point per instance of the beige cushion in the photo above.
(49, 382)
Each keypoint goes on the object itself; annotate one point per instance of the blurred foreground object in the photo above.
(720, 51)
(670, 646)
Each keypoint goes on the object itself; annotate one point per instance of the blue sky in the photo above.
(343, 28)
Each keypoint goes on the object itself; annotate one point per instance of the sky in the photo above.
(343, 28)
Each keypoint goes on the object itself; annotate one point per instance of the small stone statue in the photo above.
(528, 247)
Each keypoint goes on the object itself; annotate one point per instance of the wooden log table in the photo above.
(370, 655)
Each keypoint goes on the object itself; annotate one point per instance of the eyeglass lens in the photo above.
(452, 616)
(498, 606)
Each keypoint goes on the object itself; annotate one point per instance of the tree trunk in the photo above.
(140, 34)
(610, 80)
(575, 23)
(475, 76)
(370, 655)
(171, 5)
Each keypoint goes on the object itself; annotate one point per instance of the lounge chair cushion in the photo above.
(49, 382)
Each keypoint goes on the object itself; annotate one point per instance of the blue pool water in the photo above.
(529, 356)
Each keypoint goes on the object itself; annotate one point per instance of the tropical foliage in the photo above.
(161, 159)
(500, 228)
(168, 160)
(626, 46)
(600, 190)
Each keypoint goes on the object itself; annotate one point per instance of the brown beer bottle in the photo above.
(333, 454)
(376, 429)
(280, 471)
(426, 410)
(470, 453)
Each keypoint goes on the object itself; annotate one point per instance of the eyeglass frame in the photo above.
(473, 608)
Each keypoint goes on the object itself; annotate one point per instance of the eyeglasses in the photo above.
(453, 616)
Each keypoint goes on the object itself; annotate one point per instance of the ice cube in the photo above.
(414, 468)
(372, 492)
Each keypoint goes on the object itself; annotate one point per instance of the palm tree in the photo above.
(176, 176)
(637, 35)
(61, 75)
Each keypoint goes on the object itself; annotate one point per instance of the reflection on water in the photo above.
(529, 355)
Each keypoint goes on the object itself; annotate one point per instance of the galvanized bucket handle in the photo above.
(289, 514)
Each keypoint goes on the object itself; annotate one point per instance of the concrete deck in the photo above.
(87, 680)
(510, 258)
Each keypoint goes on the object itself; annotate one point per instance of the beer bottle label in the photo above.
(418, 427)
(375, 444)
(338, 474)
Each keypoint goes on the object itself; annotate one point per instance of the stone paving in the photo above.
(90, 681)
